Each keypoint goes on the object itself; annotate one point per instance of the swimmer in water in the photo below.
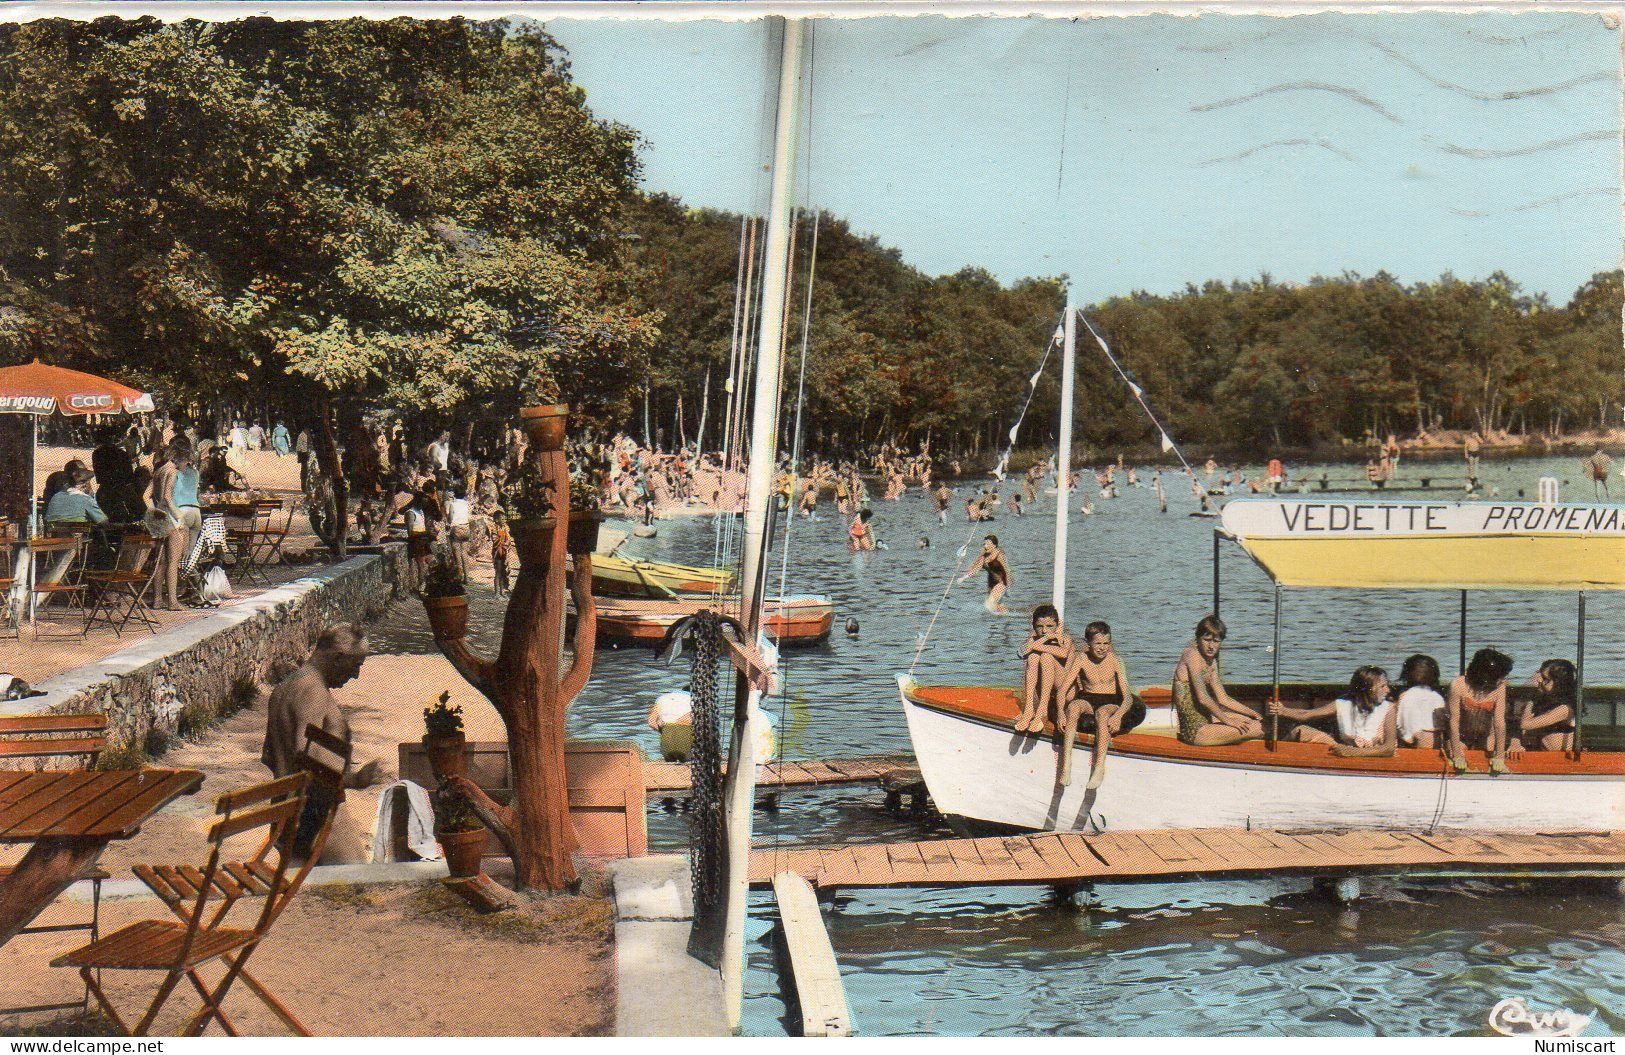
(851, 628)
(924, 543)
(991, 560)
(861, 537)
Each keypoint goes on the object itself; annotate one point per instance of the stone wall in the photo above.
(183, 679)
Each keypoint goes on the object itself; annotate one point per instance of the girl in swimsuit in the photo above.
(991, 560)
(860, 537)
(1546, 723)
(1103, 703)
(1476, 710)
(1207, 714)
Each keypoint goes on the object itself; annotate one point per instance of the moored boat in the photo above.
(618, 576)
(982, 773)
(799, 619)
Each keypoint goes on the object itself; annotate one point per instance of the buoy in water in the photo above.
(644, 531)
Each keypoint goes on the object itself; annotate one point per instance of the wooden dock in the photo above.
(672, 779)
(1062, 858)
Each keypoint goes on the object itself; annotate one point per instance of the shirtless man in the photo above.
(991, 560)
(1046, 655)
(942, 495)
(305, 698)
(1101, 700)
(1207, 714)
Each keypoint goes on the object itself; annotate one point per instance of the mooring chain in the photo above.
(705, 766)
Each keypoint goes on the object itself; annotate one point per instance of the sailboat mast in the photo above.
(741, 780)
(1063, 460)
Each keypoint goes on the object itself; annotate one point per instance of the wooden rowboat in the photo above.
(614, 576)
(803, 619)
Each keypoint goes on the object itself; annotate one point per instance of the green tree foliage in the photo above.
(417, 215)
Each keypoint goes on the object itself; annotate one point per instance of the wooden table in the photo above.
(69, 817)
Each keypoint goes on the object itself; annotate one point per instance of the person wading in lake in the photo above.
(941, 495)
(1597, 466)
(991, 560)
(304, 698)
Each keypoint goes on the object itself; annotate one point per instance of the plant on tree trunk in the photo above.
(525, 683)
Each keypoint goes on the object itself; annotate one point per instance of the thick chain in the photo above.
(707, 859)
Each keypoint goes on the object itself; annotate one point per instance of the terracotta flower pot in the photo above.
(584, 531)
(532, 538)
(448, 617)
(446, 757)
(463, 851)
(545, 425)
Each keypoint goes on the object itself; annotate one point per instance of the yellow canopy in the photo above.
(1432, 545)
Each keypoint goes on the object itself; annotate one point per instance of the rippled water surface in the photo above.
(1206, 958)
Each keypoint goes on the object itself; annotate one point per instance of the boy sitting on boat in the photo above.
(1208, 715)
(1099, 700)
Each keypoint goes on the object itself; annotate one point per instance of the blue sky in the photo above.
(1195, 148)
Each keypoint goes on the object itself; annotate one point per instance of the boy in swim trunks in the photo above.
(1101, 700)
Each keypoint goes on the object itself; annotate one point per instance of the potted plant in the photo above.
(586, 514)
(443, 738)
(461, 835)
(545, 425)
(445, 598)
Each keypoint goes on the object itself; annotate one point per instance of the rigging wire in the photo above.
(1139, 395)
(1004, 459)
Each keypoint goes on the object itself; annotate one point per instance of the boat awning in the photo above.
(1353, 544)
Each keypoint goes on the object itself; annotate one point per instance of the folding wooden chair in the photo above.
(48, 737)
(177, 886)
(62, 580)
(115, 596)
(179, 948)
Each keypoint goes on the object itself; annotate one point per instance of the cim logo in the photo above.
(90, 402)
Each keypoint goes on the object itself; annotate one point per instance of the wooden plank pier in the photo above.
(672, 779)
(1068, 858)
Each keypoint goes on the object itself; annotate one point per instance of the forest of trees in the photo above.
(325, 219)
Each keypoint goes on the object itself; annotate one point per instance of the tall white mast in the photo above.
(741, 780)
(1063, 461)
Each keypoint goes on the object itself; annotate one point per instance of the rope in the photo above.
(1004, 461)
(1139, 395)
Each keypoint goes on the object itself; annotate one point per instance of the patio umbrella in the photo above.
(39, 390)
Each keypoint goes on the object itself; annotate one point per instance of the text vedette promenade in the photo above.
(1341, 517)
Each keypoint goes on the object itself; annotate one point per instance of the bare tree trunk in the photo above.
(327, 456)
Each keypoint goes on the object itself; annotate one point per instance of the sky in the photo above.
(1145, 153)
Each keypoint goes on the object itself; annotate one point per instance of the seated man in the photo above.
(305, 697)
(75, 504)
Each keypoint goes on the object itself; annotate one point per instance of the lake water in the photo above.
(1253, 957)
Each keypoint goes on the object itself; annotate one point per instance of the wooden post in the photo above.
(1215, 573)
(1273, 731)
(528, 687)
(1580, 677)
(1462, 652)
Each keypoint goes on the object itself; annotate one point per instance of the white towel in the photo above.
(419, 823)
